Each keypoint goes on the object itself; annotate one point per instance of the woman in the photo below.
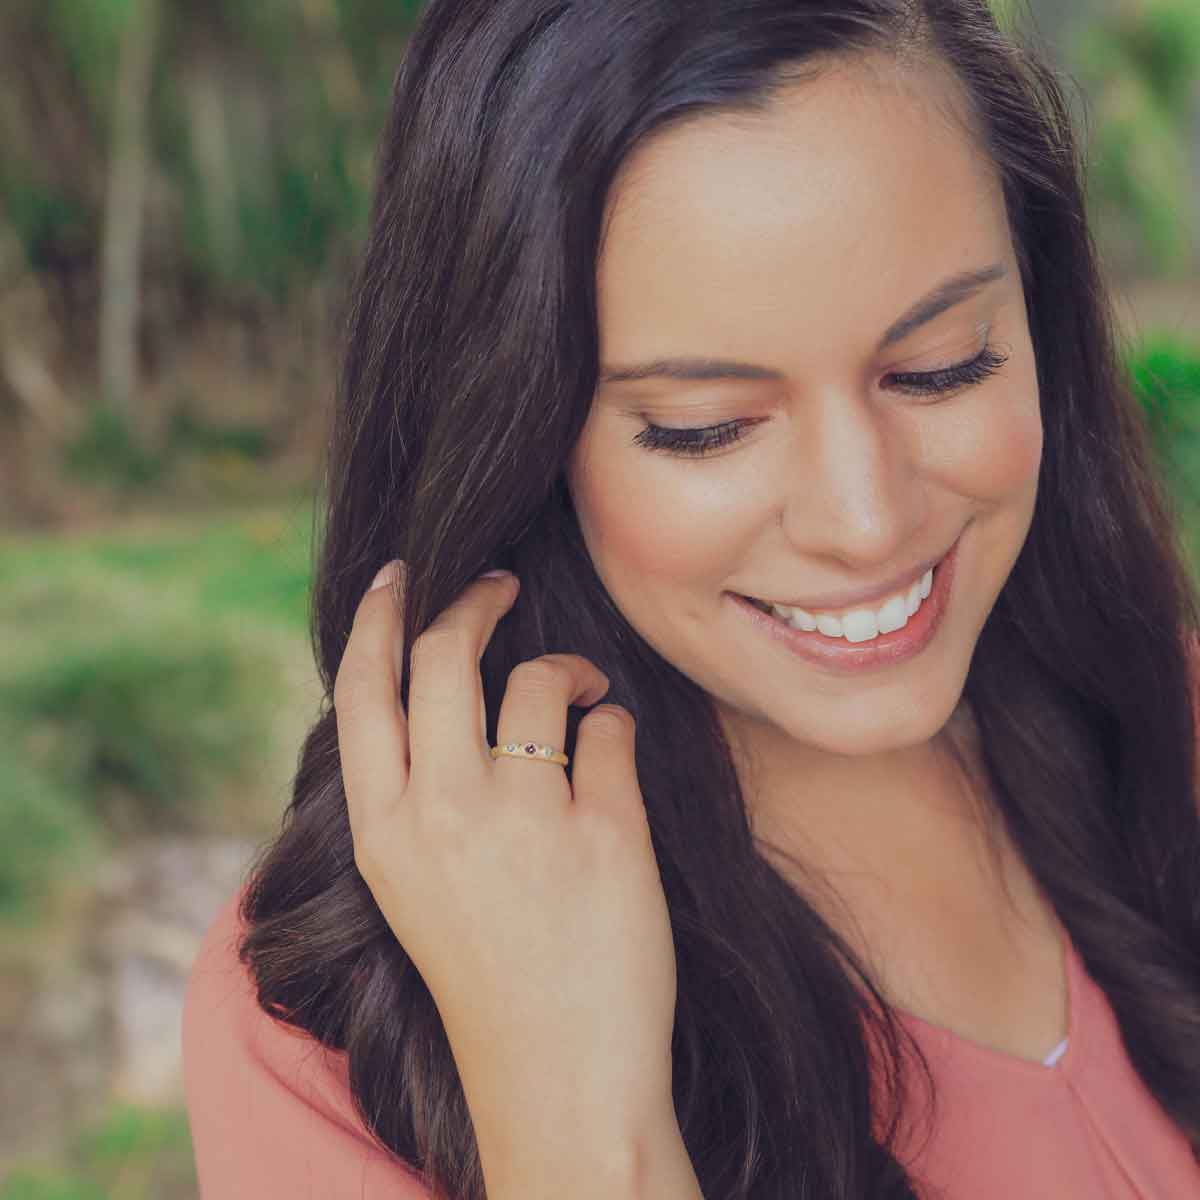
(764, 342)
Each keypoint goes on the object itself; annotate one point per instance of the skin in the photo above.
(792, 239)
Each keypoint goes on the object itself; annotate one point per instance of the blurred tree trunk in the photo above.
(35, 416)
(124, 207)
(205, 89)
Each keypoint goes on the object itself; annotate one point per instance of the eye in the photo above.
(698, 442)
(695, 442)
(951, 379)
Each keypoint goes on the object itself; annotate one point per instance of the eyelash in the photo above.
(698, 442)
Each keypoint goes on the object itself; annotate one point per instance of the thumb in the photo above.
(605, 766)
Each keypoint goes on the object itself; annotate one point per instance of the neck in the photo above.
(836, 813)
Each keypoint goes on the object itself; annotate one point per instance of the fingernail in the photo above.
(386, 575)
(494, 574)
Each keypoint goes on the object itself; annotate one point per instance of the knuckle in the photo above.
(441, 642)
(539, 676)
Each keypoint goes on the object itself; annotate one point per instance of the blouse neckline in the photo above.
(961, 1044)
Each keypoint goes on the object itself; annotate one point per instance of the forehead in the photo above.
(825, 214)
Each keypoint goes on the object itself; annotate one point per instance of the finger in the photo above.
(605, 767)
(372, 731)
(535, 703)
(445, 692)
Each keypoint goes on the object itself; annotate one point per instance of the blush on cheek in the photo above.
(989, 457)
(648, 540)
(640, 527)
(1014, 454)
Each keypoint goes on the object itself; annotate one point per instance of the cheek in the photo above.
(990, 449)
(646, 517)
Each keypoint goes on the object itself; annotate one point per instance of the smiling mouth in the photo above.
(769, 609)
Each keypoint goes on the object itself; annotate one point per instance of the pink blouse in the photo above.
(1086, 1127)
(272, 1118)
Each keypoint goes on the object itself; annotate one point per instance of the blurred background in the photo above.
(183, 185)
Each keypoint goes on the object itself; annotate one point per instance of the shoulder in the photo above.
(221, 1006)
(270, 1109)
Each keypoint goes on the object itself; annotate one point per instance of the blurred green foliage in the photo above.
(1164, 370)
(109, 450)
(138, 675)
(1140, 66)
(265, 115)
(263, 121)
(132, 1153)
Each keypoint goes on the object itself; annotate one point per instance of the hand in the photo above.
(531, 904)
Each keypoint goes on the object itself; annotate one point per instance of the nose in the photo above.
(857, 494)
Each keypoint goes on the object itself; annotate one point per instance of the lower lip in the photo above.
(886, 650)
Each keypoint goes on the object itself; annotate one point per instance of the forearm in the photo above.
(548, 1164)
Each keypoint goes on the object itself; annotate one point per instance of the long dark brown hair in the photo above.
(470, 365)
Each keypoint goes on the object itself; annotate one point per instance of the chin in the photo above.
(868, 742)
(873, 728)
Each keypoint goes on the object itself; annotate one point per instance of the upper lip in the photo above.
(865, 597)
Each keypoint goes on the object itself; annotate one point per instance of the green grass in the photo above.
(131, 1154)
(139, 674)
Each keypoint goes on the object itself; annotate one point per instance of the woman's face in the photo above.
(796, 243)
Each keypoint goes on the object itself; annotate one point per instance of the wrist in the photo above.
(548, 1164)
(548, 1159)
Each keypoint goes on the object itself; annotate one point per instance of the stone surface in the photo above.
(94, 1017)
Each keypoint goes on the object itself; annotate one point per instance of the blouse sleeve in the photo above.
(269, 1108)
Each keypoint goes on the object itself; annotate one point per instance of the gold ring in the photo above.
(535, 750)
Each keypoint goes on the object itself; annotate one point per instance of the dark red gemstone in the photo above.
(530, 748)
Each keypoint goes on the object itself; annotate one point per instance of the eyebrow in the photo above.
(946, 295)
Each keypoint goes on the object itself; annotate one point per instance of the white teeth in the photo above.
(913, 599)
(893, 615)
(862, 624)
(797, 617)
(829, 626)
